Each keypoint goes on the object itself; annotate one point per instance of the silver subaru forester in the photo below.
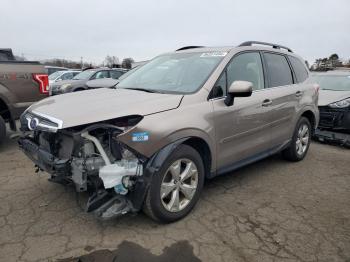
(185, 116)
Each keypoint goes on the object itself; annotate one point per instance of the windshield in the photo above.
(173, 73)
(333, 82)
(53, 76)
(84, 75)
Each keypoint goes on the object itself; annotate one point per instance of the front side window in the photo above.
(246, 67)
(243, 67)
(115, 74)
(278, 70)
(101, 74)
(67, 76)
(55, 75)
(299, 69)
(174, 73)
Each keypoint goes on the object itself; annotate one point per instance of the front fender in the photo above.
(151, 166)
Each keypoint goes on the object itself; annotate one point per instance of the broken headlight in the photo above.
(341, 104)
(127, 122)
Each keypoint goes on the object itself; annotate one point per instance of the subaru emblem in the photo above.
(33, 123)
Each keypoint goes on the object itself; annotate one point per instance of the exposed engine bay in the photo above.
(93, 160)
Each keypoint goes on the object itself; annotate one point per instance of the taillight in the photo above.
(317, 88)
(43, 81)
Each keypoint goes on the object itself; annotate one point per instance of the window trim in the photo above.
(225, 70)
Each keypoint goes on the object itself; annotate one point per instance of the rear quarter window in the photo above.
(299, 69)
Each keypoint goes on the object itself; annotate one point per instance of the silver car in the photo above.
(184, 117)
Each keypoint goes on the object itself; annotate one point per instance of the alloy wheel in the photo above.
(179, 185)
(303, 138)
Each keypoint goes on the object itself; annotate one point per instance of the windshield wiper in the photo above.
(144, 90)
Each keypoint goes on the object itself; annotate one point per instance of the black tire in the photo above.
(291, 153)
(78, 89)
(2, 129)
(153, 205)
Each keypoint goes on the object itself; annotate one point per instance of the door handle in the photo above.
(267, 102)
(298, 94)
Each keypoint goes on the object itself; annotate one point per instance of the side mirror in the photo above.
(238, 89)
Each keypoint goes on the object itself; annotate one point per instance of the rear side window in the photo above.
(278, 70)
(299, 69)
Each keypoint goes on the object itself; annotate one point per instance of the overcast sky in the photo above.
(142, 29)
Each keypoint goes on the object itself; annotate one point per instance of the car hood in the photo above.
(71, 81)
(91, 106)
(327, 97)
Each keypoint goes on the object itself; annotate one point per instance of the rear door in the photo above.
(242, 130)
(284, 95)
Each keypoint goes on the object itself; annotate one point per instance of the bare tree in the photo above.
(127, 62)
(111, 61)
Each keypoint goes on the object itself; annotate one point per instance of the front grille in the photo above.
(43, 123)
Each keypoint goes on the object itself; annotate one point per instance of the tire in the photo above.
(164, 208)
(2, 129)
(300, 143)
(78, 89)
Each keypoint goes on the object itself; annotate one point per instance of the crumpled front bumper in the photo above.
(43, 159)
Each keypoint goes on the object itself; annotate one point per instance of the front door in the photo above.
(242, 130)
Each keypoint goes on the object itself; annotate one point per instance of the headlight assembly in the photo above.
(341, 104)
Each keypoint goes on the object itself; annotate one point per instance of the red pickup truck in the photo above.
(21, 84)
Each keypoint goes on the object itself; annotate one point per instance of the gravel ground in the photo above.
(270, 211)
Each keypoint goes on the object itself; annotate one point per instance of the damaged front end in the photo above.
(334, 125)
(91, 158)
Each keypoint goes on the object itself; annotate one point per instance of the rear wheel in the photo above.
(300, 142)
(2, 129)
(176, 187)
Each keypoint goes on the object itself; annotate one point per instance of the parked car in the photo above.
(184, 117)
(52, 69)
(78, 83)
(334, 106)
(62, 75)
(21, 84)
(106, 82)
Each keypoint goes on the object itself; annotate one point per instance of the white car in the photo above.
(62, 75)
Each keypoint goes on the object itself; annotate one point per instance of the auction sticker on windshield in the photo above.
(211, 54)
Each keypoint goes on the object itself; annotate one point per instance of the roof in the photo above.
(250, 45)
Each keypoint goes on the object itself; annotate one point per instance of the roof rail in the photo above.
(250, 43)
(189, 47)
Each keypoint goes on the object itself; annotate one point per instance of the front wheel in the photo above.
(300, 141)
(176, 187)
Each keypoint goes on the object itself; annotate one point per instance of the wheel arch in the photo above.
(310, 115)
(77, 89)
(4, 110)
